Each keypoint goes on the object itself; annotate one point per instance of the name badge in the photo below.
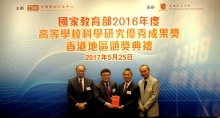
(88, 88)
(128, 92)
(113, 90)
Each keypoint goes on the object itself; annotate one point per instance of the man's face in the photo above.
(144, 72)
(127, 76)
(80, 71)
(105, 76)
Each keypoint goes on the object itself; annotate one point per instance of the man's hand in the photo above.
(81, 106)
(121, 107)
(109, 105)
(142, 109)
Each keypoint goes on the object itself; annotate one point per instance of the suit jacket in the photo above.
(129, 99)
(100, 96)
(73, 91)
(149, 96)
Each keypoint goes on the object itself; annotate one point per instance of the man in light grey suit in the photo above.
(149, 91)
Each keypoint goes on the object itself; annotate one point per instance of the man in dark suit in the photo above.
(103, 91)
(79, 94)
(129, 94)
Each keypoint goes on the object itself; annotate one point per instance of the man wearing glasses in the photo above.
(103, 92)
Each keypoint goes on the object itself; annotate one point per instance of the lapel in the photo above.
(110, 86)
(122, 88)
(148, 83)
(85, 84)
(142, 85)
(103, 87)
(129, 87)
(76, 85)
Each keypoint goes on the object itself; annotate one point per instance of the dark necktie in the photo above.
(81, 86)
(145, 84)
(126, 87)
(108, 93)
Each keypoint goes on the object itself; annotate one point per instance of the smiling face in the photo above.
(105, 76)
(127, 75)
(144, 71)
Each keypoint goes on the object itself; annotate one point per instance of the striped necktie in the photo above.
(126, 88)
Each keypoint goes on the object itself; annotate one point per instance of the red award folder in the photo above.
(115, 101)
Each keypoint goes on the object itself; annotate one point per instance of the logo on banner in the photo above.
(32, 7)
(47, 8)
(163, 7)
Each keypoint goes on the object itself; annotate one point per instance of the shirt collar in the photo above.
(148, 79)
(106, 83)
(81, 78)
(129, 83)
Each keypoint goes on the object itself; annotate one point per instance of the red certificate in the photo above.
(115, 101)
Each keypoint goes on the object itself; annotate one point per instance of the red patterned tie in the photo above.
(126, 87)
(108, 93)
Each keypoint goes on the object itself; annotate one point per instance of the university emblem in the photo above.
(163, 6)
